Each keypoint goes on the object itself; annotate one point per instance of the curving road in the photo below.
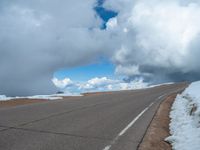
(106, 121)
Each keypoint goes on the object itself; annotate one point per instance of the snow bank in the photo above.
(156, 85)
(4, 98)
(48, 97)
(185, 119)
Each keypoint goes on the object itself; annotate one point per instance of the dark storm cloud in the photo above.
(153, 39)
(158, 40)
(39, 37)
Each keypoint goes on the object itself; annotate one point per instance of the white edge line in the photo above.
(107, 147)
(130, 124)
(127, 127)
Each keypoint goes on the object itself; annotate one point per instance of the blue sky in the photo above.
(103, 68)
(52, 35)
(86, 72)
(103, 13)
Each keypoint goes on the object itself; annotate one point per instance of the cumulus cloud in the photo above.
(158, 39)
(62, 83)
(39, 37)
(154, 39)
(98, 84)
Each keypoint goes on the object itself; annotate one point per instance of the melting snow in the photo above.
(185, 119)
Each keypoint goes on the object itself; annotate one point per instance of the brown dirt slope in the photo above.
(16, 102)
(159, 128)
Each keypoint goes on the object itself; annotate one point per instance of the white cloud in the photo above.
(111, 24)
(159, 37)
(99, 84)
(62, 83)
(100, 81)
(128, 70)
(39, 37)
(158, 40)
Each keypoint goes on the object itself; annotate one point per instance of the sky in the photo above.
(104, 14)
(86, 72)
(75, 45)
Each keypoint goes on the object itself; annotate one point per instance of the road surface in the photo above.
(107, 121)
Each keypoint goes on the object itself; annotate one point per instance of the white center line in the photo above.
(130, 125)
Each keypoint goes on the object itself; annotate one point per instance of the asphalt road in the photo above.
(107, 121)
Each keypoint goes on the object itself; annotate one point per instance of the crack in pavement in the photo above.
(60, 114)
(22, 125)
(19, 127)
(63, 134)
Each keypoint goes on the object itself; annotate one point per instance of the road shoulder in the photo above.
(159, 128)
(17, 102)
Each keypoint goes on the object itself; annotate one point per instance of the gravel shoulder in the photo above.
(159, 128)
(16, 102)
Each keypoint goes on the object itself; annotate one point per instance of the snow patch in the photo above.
(4, 98)
(47, 97)
(156, 85)
(185, 119)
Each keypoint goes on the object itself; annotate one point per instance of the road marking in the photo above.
(162, 96)
(131, 124)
